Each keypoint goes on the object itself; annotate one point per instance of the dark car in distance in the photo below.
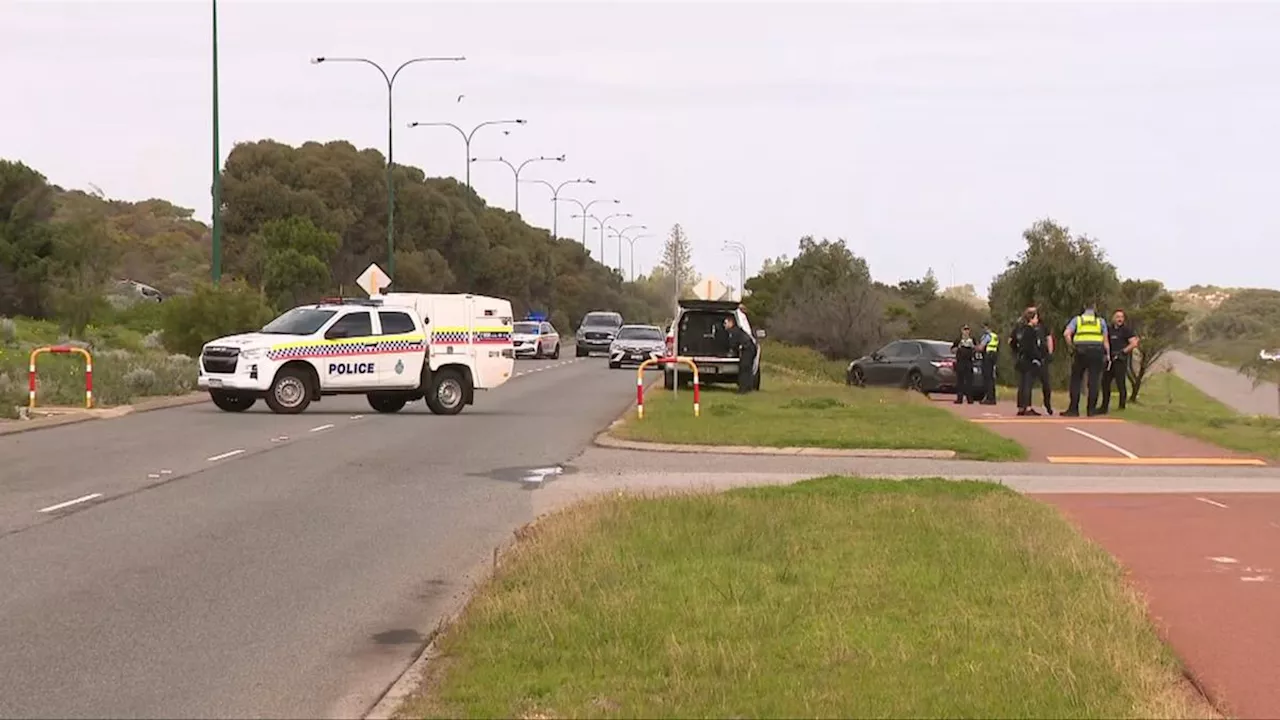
(927, 366)
(597, 332)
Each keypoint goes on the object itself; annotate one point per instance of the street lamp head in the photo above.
(521, 121)
(589, 181)
(317, 60)
(559, 159)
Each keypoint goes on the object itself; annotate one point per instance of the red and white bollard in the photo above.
(639, 396)
(696, 384)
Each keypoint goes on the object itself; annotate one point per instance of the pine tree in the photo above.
(677, 257)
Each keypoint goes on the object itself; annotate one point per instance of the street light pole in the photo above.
(741, 251)
(391, 188)
(555, 200)
(215, 265)
(517, 169)
(621, 234)
(467, 136)
(632, 242)
(586, 213)
(602, 224)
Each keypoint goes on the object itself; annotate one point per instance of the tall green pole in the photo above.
(216, 269)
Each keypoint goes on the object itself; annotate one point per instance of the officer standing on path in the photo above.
(1030, 357)
(1087, 335)
(745, 347)
(990, 344)
(1044, 341)
(965, 347)
(1122, 341)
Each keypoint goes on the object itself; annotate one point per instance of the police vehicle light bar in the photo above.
(367, 302)
(536, 317)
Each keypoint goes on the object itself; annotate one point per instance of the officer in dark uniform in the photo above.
(1087, 334)
(1122, 341)
(965, 347)
(1029, 359)
(1043, 354)
(744, 346)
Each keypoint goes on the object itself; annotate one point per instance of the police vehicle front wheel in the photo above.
(447, 394)
(231, 402)
(290, 392)
(387, 403)
(555, 354)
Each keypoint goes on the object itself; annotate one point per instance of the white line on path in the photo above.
(1104, 442)
(355, 417)
(223, 456)
(322, 427)
(1211, 502)
(69, 503)
(280, 438)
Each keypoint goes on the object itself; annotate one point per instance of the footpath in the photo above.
(1098, 440)
(1225, 385)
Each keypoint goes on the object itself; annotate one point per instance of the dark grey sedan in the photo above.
(927, 366)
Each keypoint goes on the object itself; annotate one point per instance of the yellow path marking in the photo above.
(1099, 460)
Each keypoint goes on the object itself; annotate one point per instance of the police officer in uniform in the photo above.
(1026, 342)
(1043, 353)
(990, 344)
(965, 348)
(1122, 341)
(1087, 334)
(744, 347)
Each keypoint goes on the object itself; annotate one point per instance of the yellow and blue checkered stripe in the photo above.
(463, 336)
(347, 347)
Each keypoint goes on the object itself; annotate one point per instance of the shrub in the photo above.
(8, 331)
(212, 311)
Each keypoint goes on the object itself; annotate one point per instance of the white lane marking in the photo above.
(280, 438)
(1211, 502)
(1255, 578)
(69, 503)
(355, 417)
(223, 456)
(322, 427)
(166, 472)
(153, 476)
(1224, 559)
(1106, 443)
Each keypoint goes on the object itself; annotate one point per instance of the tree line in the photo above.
(300, 224)
(826, 298)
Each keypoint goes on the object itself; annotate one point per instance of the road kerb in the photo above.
(13, 427)
(606, 440)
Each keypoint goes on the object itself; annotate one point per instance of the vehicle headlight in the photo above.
(252, 353)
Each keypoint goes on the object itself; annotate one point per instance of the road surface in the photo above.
(1225, 385)
(260, 565)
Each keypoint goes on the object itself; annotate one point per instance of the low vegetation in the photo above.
(127, 365)
(835, 597)
(797, 413)
(1175, 404)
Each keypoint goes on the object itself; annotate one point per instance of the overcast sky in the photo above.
(924, 134)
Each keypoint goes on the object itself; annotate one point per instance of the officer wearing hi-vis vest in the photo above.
(990, 344)
(1087, 335)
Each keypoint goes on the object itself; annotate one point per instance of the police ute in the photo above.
(393, 349)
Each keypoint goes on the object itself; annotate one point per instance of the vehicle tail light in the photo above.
(943, 363)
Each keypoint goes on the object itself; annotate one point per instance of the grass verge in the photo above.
(830, 598)
(1169, 402)
(791, 413)
(127, 365)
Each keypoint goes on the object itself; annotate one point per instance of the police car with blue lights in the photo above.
(534, 337)
(393, 349)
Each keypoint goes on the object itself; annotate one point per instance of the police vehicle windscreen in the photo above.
(299, 321)
(524, 328)
(641, 334)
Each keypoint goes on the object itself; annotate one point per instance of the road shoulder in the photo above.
(59, 417)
